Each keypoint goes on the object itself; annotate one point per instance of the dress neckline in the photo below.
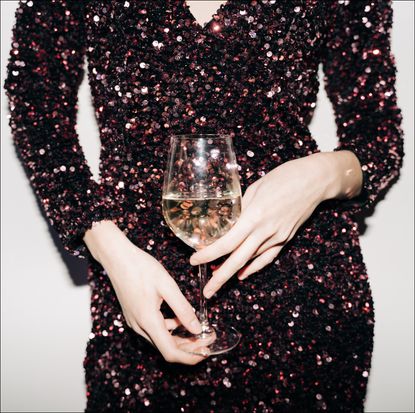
(215, 16)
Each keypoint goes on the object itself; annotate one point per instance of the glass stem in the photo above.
(203, 314)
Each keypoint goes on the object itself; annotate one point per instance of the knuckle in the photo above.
(170, 357)
(255, 215)
(193, 362)
(188, 318)
(180, 302)
(258, 241)
(181, 309)
(268, 228)
(283, 234)
(142, 321)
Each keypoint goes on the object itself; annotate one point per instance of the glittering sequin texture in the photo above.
(307, 318)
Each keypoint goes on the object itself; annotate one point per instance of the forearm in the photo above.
(343, 178)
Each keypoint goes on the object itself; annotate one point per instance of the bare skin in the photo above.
(273, 208)
(141, 284)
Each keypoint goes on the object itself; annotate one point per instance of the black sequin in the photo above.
(307, 319)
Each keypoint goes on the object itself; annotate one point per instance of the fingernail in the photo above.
(208, 293)
(204, 351)
(193, 260)
(196, 326)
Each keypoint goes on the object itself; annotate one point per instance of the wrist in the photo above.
(342, 174)
(105, 241)
(324, 175)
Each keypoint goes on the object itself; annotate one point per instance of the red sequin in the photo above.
(307, 319)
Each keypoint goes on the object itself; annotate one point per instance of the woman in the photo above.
(306, 310)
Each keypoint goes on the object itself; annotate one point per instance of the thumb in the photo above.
(177, 301)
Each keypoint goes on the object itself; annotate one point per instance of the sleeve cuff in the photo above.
(355, 205)
(72, 239)
(359, 202)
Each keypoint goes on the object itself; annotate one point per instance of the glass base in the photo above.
(216, 338)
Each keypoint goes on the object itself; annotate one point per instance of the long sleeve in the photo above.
(44, 71)
(359, 75)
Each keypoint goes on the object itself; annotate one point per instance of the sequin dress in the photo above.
(307, 318)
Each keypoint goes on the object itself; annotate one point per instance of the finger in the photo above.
(195, 346)
(260, 262)
(270, 242)
(248, 196)
(235, 261)
(171, 293)
(172, 323)
(166, 343)
(280, 238)
(224, 245)
(254, 266)
(142, 333)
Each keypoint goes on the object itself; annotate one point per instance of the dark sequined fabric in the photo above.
(307, 319)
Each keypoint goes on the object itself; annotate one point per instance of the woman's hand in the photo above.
(141, 284)
(274, 207)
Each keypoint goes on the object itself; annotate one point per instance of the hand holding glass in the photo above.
(201, 202)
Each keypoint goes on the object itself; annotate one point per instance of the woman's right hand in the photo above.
(141, 284)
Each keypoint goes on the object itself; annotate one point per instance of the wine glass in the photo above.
(201, 202)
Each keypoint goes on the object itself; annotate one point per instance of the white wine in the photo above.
(201, 221)
(201, 200)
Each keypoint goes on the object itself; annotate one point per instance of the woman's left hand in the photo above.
(273, 208)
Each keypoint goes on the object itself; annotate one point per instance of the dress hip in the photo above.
(307, 323)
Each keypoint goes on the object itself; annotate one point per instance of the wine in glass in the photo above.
(201, 202)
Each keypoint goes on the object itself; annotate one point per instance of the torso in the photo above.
(251, 72)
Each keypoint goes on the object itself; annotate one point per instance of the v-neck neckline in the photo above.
(219, 13)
